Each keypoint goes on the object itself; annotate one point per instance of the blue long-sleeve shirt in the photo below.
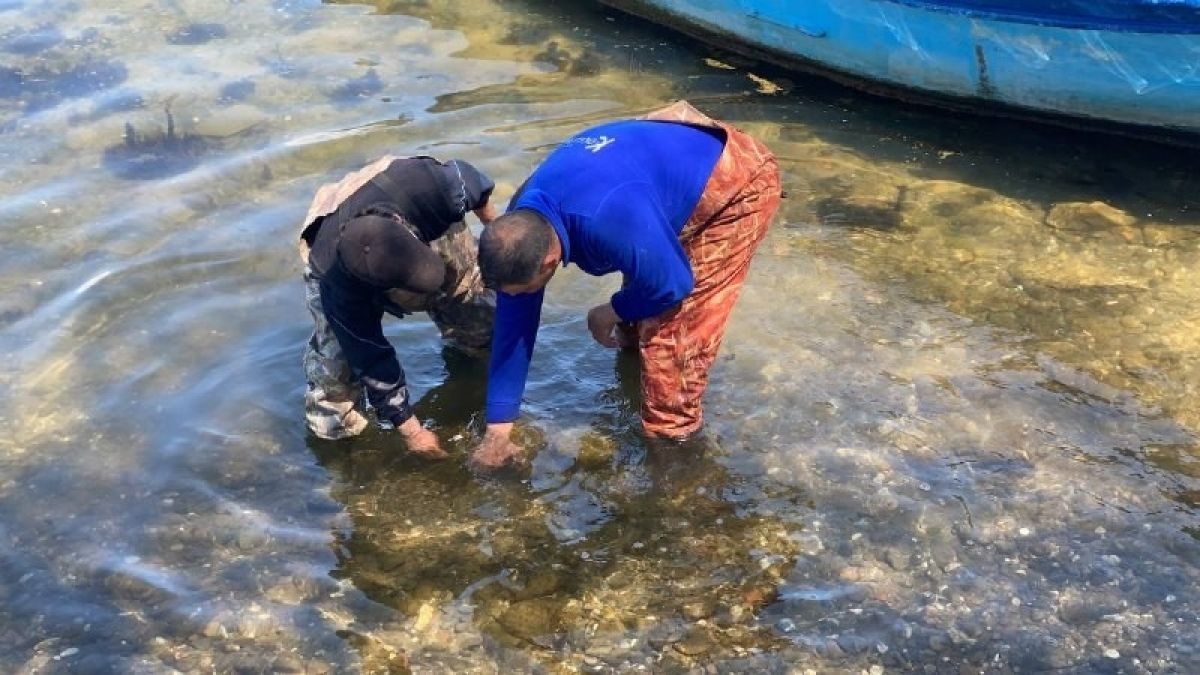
(617, 196)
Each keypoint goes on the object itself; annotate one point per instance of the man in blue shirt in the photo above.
(677, 203)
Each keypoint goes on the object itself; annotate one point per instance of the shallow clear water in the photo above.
(953, 427)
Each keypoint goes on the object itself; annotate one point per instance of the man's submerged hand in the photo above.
(497, 450)
(421, 441)
(602, 322)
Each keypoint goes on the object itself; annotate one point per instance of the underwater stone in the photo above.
(701, 609)
(236, 91)
(530, 619)
(1088, 217)
(695, 643)
(855, 211)
(358, 88)
(545, 582)
(595, 452)
(287, 663)
(197, 34)
(89, 36)
(854, 644)
(283, 67)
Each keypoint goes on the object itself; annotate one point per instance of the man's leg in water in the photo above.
(332, 392)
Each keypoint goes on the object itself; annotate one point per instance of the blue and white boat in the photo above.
(1128, 62)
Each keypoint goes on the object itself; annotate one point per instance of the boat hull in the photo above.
(1113, 70)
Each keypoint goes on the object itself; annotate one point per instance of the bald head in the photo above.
(513, 247)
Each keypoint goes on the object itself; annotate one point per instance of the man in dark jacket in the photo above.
(389, 238)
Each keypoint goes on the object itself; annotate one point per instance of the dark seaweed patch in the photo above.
(90, 36)
(197, 34)
(358, 88)
(587, 63)
(239, 90)
(285, 68)
(29, 42)
(526, 34)
(149, 157)
(43, 88)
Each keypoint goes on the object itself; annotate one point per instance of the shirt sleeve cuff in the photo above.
(401, 415)
(498, 412)
(628, 309)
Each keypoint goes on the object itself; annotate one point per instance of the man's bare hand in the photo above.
(497, 450)
(421, 441)
(487, 213)
(602, 322)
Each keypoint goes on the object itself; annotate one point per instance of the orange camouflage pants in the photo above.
(678, 348)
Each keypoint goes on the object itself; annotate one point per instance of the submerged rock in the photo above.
(238, 90)
(876, 214)
(197, 34)
(284, 67)
(358, 88)
(533, 620)
(1091, 217)
(595, 452)
(585, 63)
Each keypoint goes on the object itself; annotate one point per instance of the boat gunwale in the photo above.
(713, 37)
(1058, 20)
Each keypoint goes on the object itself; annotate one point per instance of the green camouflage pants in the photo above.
(462, 309)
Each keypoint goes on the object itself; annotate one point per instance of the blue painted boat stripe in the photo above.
(1125, 16)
